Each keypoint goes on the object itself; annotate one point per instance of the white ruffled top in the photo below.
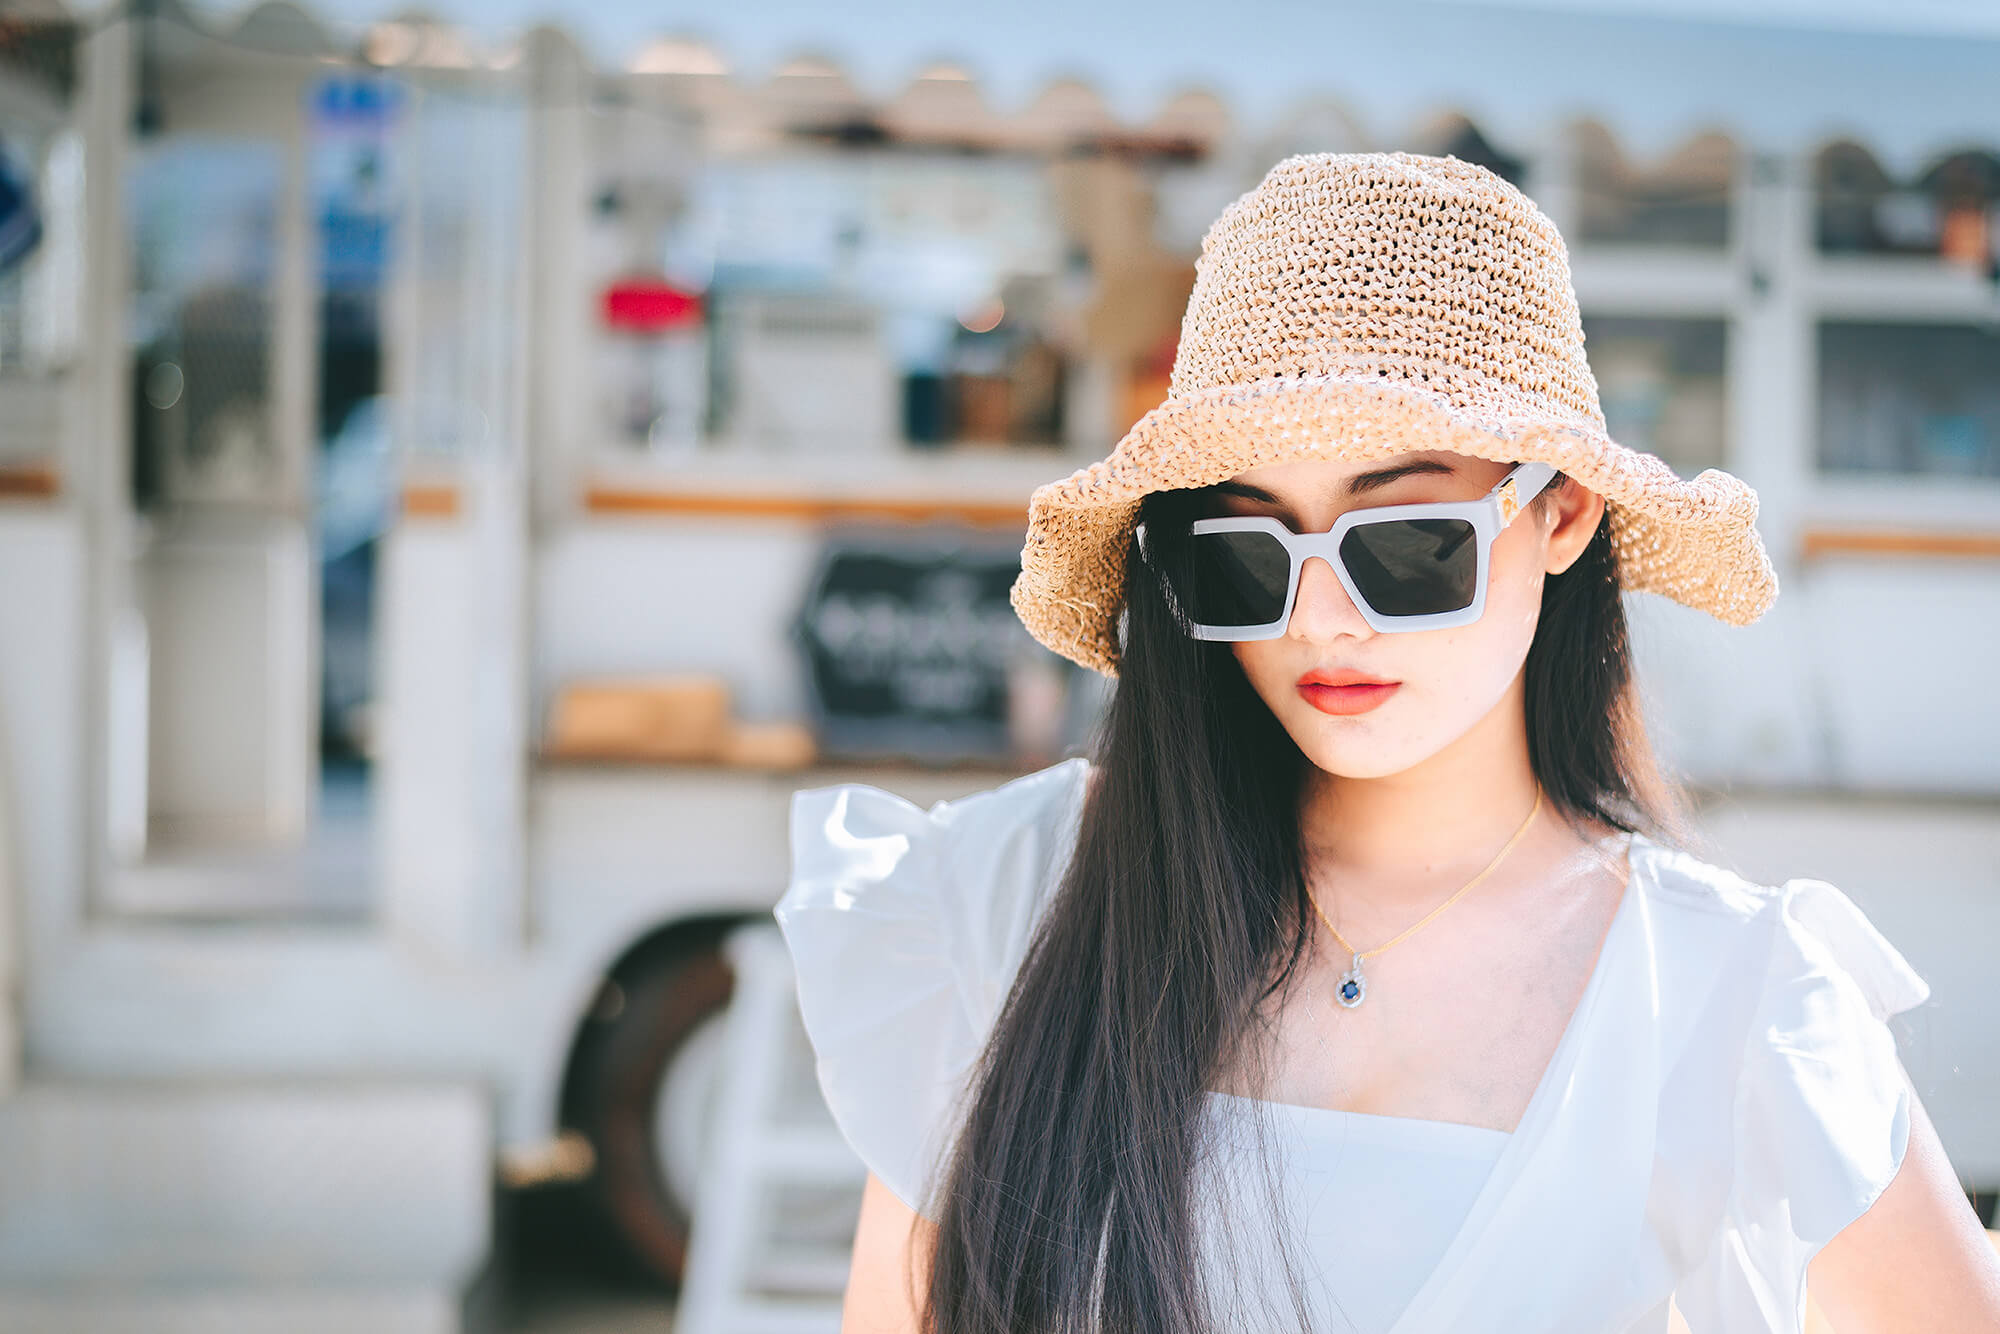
(1727, 1096)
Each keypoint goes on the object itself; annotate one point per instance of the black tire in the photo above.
(622, 1060)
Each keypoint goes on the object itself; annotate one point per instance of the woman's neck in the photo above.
(1414, 825)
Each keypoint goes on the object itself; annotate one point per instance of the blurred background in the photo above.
(462, 470)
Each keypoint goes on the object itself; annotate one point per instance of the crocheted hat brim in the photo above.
(1692, 540)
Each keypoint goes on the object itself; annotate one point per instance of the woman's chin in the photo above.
(1353, 757)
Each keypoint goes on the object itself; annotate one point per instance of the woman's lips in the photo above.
(1346, 699)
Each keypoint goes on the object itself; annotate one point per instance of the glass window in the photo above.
(1681, 200)
(202, 212)
(870, 300)
(1661, 383)
(1909, 398)
(41, 263)
(20, 239)
(1951, 209)
(463, 154)
(1454, 134)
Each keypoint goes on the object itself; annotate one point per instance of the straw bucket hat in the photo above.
(1360, 305)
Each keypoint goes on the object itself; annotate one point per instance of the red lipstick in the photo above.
(1345, 691)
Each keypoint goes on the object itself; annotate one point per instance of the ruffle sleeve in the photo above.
(1821, 1115)
(905, 927)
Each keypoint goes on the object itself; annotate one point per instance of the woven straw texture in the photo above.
(1361, 305)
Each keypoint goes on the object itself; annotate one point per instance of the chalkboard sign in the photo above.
(908, 639)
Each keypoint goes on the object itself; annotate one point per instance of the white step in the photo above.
(295, 1310)
(741, 1279)
(809, 1155)
(217, 1206)
(768, 1315)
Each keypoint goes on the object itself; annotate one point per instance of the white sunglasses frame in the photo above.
(1488, 516)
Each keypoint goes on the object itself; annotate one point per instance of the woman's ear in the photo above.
(1574, 512)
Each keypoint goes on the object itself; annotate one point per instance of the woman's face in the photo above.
(1450, 679)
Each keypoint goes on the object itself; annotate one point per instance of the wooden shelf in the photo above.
(29, 481)
(1817, 543)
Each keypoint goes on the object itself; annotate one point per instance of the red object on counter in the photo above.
(648, 305)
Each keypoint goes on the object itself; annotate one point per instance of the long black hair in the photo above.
(1067, 1202)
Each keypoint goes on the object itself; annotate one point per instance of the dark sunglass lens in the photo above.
(1413, 567)
(1234, 579)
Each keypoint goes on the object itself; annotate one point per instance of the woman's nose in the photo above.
(1322, 609)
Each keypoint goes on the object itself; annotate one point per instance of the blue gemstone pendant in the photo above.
(1352, 988)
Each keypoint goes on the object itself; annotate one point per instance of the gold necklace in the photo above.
(1352, 987)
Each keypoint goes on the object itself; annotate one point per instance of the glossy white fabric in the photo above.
(1725, 1099)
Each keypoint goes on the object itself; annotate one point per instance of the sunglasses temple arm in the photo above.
(1519, 487)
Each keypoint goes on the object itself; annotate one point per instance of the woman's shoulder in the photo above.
(1790, 1109)
(1046, 801)
(1800, 926)
(963, 880)
(1679, 879)
(863, 830)
(1045, 795)
(905, 925)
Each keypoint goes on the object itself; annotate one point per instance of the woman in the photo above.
(1313, 1003)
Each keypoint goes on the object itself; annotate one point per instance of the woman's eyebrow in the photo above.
(1358, 485)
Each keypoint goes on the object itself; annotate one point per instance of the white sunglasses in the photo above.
(1407, 567)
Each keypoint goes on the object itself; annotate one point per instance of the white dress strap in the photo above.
(905, 928)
